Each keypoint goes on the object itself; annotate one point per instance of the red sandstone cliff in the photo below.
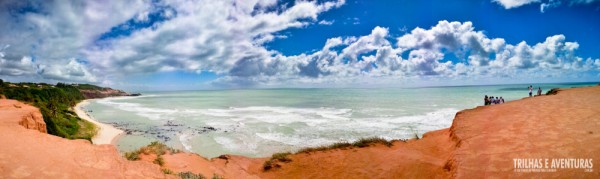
(27, 152)
(103, 93)
(481, 142)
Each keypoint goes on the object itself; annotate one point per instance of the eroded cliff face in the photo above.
(482, 142)
(106, 92)
(34, 120)
(28, 152)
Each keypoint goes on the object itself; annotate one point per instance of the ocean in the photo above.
(260, 122)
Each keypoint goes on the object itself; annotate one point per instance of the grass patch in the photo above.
(267, 165)
(364, 142)
(282, 157)
(273, 162)
(275, 158)
(167, 171)
(159, 160)
(87, 130)
(152, 148)
(215, 176)
(190, 175)
(133, 155)
(158, 149)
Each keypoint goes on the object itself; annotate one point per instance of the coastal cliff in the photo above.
(93, 91)
(482, 142)
(28, 152)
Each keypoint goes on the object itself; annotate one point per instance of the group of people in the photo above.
(491, 100)
(539, 91)
(495, 100)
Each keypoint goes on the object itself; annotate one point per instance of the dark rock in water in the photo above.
(135, 94)
(210, 128)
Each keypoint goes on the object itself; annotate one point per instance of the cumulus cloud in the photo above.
(514, 3)
(231, 34)
(88, 42)
(373, 55)
(54, 32)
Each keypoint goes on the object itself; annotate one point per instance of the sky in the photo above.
(145, 45)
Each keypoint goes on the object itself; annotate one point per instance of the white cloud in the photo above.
(544, 4)
(21, 67)
(62, 41)
(549, 4)
(72, 71)
(325, 22)
(508, 4)
(56, 31)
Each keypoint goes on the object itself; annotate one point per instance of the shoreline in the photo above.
(107, 134)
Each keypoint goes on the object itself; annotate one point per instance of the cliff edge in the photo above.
(28, 152)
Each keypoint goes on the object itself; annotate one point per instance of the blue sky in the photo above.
(578, 23)
(195, 44)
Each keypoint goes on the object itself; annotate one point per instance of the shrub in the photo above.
(267, 165)
(282, 157)
(159, 160)
(158, 148)
(190, 175)
(364, 142)
(553, 91)
(133, 155)
(166, 171)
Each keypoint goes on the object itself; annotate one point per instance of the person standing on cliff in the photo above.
(539, 91)
(530, 90)
(486, 100)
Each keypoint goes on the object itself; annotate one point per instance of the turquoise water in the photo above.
(259, 122)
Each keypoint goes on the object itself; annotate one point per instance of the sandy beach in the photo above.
(107, 134)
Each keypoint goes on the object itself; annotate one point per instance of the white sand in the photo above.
(107, 134)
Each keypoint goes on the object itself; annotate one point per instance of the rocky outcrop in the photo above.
(34, 120)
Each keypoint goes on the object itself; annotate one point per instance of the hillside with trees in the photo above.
(55, 103)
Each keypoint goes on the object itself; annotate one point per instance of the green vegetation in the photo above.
(153, 148)
(215, 176)
(159, 160)
(282, 157)
(364, 142)
(89, 87)
(273, 162)
(275, 158)
(190, 175)
(133, 155)
(166, 171)
(54, 102)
